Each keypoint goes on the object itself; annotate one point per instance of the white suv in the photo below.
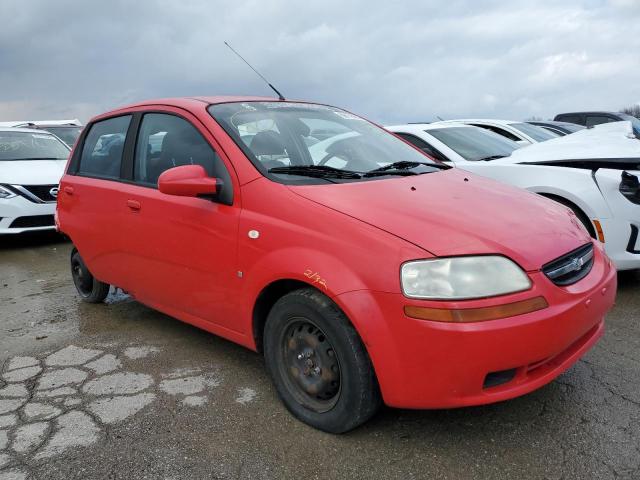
(31, 165)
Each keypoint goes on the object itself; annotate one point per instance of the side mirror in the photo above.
(189, 181)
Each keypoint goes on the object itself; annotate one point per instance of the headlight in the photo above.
(630, 187)
(6, 193)
(460, 278)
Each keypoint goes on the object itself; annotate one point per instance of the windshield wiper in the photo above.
(318, 171)
(402, 167)
(490, 157)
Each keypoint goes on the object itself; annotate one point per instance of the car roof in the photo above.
(24, 130)
(41, 123)
(591, 112)
(429, 126)
(210, 100)
(195, 102)
(552, 122)
(494, 121)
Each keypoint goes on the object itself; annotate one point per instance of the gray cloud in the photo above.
(390, 61)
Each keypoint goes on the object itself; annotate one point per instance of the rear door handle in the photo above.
(68, 190)
(134, 205)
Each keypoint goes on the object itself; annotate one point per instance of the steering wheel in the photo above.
(331, 155)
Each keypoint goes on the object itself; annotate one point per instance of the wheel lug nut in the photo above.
(300, 356)
(316, 370)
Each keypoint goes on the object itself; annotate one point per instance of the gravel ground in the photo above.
(120, 391)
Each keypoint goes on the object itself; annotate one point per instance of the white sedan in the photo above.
(31, 165)
(520, 132)
(594, 172)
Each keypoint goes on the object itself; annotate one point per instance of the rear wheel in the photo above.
(90, 289)
(320, 368)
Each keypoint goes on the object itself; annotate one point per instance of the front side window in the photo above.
(103, 147)
(474, 144)
(539, 134)
(166, 141)
(16, 145)
(300, 143)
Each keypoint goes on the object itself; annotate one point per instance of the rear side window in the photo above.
(570, 119)
(166, 141)
(103, 147)
(597, 120)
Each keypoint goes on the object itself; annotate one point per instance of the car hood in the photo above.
(31, 172)
(457, 213)
(606, 141)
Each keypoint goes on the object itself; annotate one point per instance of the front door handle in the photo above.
(134, 205)
(68, 190)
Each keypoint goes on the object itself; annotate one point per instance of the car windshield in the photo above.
(473, 143)
(287, 140)
(68, 135)
(31, 146)
(539, 134)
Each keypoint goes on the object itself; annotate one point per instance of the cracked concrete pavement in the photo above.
(121, 391)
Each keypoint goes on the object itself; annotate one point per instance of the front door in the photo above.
(181, 251)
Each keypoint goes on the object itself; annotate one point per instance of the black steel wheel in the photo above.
(318, 364)
(311, 364)
(90, 289)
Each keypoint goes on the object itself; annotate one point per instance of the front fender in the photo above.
(321, 270)
(573, 184)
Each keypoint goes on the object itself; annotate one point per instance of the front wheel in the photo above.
(319, 365)
(90, 289)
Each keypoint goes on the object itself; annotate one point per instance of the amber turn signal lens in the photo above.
(465, 315)
(599, 231)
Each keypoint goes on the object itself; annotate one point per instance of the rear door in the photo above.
(181, 252)
(91, 201)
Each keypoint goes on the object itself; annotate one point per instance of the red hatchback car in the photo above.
(365, 271)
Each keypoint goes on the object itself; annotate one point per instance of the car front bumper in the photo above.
(427, 364)
(18, 215)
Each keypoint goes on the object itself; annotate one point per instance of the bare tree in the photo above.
(633, 110)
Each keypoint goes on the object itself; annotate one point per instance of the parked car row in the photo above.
(594, 172)
(368, 265)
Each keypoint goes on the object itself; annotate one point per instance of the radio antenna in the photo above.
(280, 96)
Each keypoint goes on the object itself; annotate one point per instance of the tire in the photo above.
(318, 364)
(90, 289)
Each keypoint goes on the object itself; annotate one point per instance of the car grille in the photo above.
(42, 192)
(570, 268)
(33, 221)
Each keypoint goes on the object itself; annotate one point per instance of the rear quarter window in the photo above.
(103, 147)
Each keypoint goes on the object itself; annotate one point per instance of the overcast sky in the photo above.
(390, 61)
